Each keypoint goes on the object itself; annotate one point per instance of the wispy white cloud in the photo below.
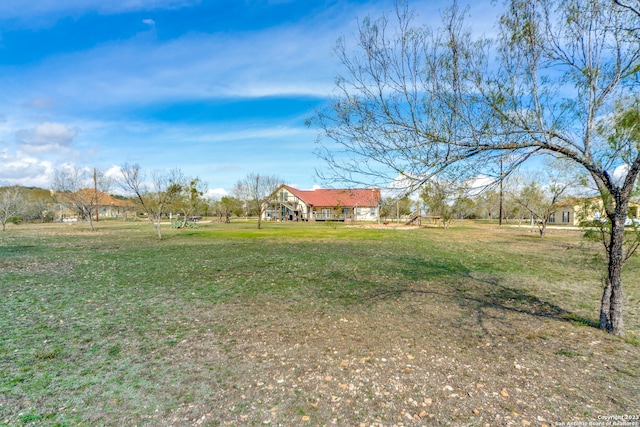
(21, 169)
(197, 66)
(18, 9)
(280, 133)
(40, 103)
(287, 60)
(279, 61)
(114, 172)
(216, 193)
(46, 137)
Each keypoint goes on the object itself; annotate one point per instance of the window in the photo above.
(326, 213)
(552, 217)
(372, 211)
(565, 216)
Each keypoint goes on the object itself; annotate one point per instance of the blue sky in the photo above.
(217, 88)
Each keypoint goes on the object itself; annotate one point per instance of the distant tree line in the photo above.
(18, 204)
(172, 195)
(528, 196)
(157, 196)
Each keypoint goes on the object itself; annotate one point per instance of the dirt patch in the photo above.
(417, 359)
(390, 226)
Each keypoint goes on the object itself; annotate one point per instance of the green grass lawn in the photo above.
(307, 323)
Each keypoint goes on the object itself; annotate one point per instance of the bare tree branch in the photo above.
(414, 102)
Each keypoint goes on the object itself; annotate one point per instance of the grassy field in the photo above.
(302, 324)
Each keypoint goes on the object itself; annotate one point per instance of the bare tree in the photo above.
(255, 190)
(415, 101)
(12, 203)
(164, 190)
(79, 190)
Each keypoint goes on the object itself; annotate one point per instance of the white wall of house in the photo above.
(366, 213)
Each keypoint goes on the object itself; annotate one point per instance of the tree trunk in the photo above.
(89, 218)
(158, 227)
(605, 307)
(611, 306)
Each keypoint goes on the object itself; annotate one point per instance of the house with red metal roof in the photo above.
(290, 204)
(107, 206)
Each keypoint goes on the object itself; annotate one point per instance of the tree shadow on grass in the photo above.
(455, 282)
(522, 302)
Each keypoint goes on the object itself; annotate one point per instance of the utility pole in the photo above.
(501, 177)
(95, 192)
